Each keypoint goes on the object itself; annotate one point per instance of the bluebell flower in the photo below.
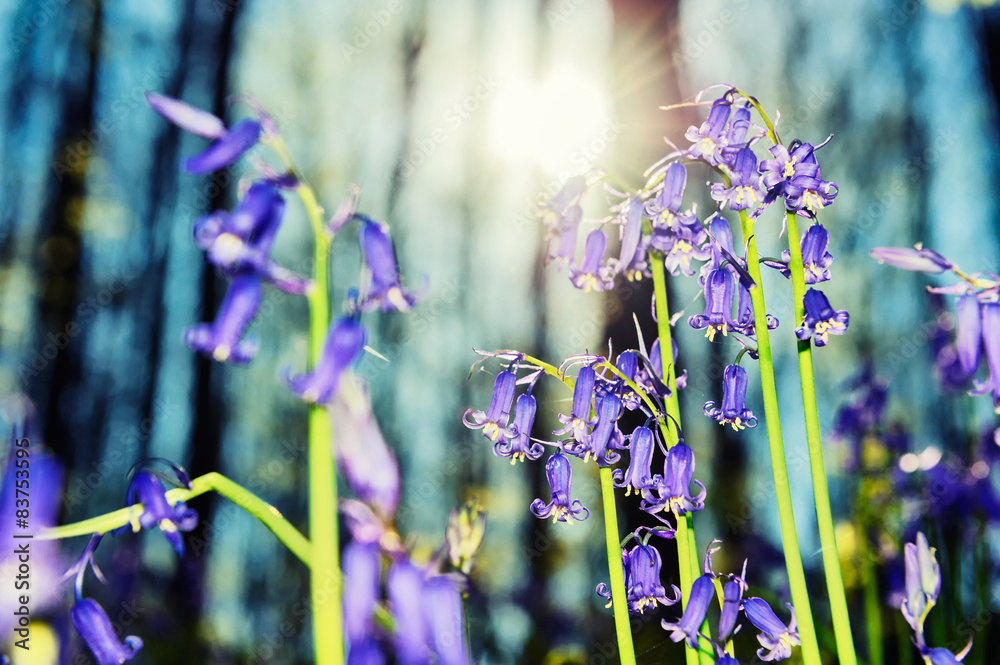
(810, 194)
(554, 211)
(605, 438)
(821, 320)
(578, 422)
(702, 592)
(363, 457)
(785, 167)
(147, 489)
(664, 211)
(708, 139)
(562, 240)
(736, 134)
(923, 583)
(591, 274)
(650, 374)
(229, 144)
(991, 341)
(368, 652)
(494, 421)
(443, 608)
(93, 625)
(631, 260)
(360, 590)
(241, 242)
(918, 259)
(643, 589)
(519, 446)
(939, 656)
(638, 476)
(719, 294)
(344, 344)
(744, 190)
(221, 339)
(672, 491)
(561, 506)
(776, 638)
(734, 392)
(628, 364)
(969, 332)
(732, 600)
(384, 290)
(680, 246)
(816, 259)
(405, 587)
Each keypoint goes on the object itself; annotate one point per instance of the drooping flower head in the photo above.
(221, 340)
(384, 290)
(821, 320)
(744, 189)
(734, 392)
(605, 437)
(361, 590)
(578, 422)
(147, 489)
(776, 638)
(702, 592)
(736, 134)
(969, 332)
(991, 341)
(443, 609)
(643, 589)
(632, 257)
(591, 274)
(806, 192)
(918, 259)
(561, 506)
(816, 259)
(364, 459)
(404, 587)
(494, 421)
(343, 347)
(639, 476)
(562, 240)
(719, 294)
(665, 210)
(520, 446)
(708, 139)
(229, 144)
(673, 491)
(93, 625)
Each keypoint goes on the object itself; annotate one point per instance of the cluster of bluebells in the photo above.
(654, 225)
(977, 310)
(590, 431)
(774, 635)
(238, 244)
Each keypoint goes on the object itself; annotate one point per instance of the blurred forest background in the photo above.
(453, 117)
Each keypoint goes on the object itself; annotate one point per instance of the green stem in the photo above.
(821, 493)
(324, 581)
(786, 516)
(618, 602)
(267, 514)
(687, 549)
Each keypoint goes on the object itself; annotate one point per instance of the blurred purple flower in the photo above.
(344, 344)
(221, 339)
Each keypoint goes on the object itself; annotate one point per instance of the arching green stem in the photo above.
(267, 514)
(619, 604)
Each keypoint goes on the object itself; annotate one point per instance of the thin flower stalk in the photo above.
(687, 548)
(289, 536)
(616, 572)
(821, 492)
(789, 535)
(327, 622)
